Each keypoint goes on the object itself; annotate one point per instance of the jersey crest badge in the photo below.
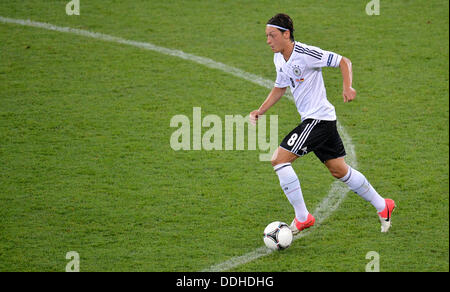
(296, 70)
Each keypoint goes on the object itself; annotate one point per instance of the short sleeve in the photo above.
(318, 58)
(282, 79)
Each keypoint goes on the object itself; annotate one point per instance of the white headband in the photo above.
(273, 25)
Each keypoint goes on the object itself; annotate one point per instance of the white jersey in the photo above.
(303, 73)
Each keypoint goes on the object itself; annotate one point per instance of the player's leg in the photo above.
(337, 167)
(356, 181)
(359, 184)
(290, 149)
(281, 155)
(331, 153)
(290, 184)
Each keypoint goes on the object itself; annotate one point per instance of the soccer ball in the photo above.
(277, 235)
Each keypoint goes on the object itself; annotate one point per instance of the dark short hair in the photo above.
(283, 20)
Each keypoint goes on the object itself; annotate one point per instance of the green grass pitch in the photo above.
(85, 157)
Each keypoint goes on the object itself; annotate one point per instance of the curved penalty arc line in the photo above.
(325, 208)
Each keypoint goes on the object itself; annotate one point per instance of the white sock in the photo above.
(358, 183)
(291, 187)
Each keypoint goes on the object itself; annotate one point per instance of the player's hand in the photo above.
(254, 115)
(349, 94)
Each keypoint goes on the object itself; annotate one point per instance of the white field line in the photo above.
(148, 46)
(325, 208)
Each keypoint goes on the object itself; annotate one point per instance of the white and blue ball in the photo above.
(277, 235)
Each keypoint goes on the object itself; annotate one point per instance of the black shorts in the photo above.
(318, 136)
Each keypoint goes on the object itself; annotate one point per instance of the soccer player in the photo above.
(299, 66)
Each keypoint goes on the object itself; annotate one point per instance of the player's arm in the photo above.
(348, 92)
(275, 95)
